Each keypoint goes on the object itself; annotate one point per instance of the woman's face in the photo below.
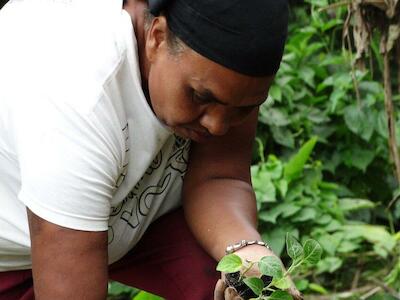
(194, 96)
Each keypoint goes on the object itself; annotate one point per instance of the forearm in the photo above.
(61, 277)
(66, 263)
(221, 212)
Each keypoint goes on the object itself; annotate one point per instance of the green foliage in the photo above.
(146, 296)
(316, 93)
(302, 255)
(294, 248)
(341, 190)
(255, 283)
(280, 295)
(295, 166)
(119, 291)
(271, 266)
(312, 252)
(338, 190)
(310, 207)
(230, 264)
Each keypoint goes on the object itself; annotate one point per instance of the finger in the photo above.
(219, 290)
(228, 295)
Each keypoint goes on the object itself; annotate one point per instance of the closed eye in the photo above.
(199, 99)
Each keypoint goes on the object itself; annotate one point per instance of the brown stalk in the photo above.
(398, 65)
(390, 112)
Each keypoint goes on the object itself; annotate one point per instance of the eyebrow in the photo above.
(209, 96)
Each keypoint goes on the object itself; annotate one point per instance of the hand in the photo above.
(251, 253)
(222, 292)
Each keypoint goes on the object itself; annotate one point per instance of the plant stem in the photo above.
(251, 264)
(292, 268)
(261, 150)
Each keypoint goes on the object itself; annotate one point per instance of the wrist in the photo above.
(254, 252)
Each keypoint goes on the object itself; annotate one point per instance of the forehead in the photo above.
(229, 86)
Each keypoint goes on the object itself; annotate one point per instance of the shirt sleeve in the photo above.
(69, 161)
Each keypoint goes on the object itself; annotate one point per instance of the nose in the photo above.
(216, 120)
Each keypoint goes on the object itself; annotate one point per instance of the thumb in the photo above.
(219, 290)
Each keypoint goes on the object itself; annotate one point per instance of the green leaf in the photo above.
(296, 164)
(286, 209)
(331, 23)
(329, 264)
(282, 283)
(274, 167)
(348, 246)
(360, 121)
(307, 75)
(352, 204)
(330, 242)
(359, 158)
(280, 295)
(382, 125)
(306, 214)
(333, 225)
(374, 234)
(276, 93)
(271, 266)
(283, 186)
(282, 136)
(369, 122)
(275, 116)
(116, 288)
(275, 237)
(263, 186)
(335, 98)
(301, 284)
(312, 252)
(230, 263)
(293, 248)
(318, 288)
(354, 118)
(146, 296)
(255, 284)
(324, 219)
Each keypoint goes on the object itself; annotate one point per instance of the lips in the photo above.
(199, 136)
(191, 133)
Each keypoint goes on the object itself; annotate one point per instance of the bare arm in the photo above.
(219, 201)
(66, 263)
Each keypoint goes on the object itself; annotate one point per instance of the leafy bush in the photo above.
(317, 93)
(118, 291)
(293, 197)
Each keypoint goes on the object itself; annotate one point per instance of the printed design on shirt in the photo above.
(122, 175)
(137, 203)
(155, 164)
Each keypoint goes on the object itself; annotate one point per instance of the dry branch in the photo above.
(382, 16)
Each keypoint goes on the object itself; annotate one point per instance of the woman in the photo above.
(112, 116)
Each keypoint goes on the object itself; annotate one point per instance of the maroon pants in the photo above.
(167, 261)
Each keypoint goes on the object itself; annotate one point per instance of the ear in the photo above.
(156, 38)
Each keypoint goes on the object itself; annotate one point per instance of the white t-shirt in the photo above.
(79, 144)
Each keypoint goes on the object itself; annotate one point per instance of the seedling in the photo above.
(274, 281)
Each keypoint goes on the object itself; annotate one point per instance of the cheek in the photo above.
(170, 100)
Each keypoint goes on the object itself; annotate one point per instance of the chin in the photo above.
(190, 134)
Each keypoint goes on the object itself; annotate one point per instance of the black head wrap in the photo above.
(245, 36)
